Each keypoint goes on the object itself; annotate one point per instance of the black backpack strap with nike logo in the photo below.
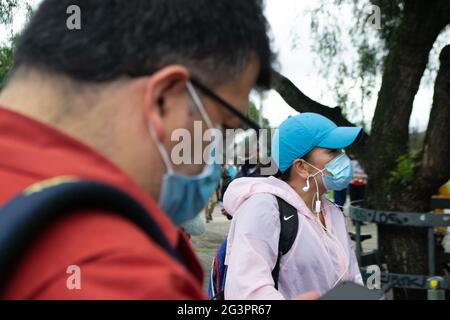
(288, 233)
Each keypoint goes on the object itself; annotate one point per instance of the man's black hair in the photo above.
(214, 39)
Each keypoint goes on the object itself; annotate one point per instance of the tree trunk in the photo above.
(405, 248)
(403, 70)
(433, 170)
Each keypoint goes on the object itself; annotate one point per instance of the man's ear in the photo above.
(166, 81)
(301, 168)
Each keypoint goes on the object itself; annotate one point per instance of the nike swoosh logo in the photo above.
(287, 218)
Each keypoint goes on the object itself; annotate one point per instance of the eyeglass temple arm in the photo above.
(252, 124)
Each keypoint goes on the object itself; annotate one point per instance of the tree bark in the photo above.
(403, 70)
(405, 248)
(433, 170)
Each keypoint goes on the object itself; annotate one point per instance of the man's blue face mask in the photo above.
(342, 173)
(183, 197)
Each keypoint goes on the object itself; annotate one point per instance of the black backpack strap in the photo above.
(288, 233)
(23, 218)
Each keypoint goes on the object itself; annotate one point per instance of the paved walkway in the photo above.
(207, 244)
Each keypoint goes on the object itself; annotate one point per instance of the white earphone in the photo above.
(306, 188)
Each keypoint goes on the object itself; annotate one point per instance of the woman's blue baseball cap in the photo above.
(299, 134)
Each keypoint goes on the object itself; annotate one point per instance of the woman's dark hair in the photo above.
(286, 175)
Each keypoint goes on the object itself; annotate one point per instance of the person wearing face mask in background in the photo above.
(247, 158)
(308, 150)
(358, 184)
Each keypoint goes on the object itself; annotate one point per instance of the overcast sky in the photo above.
(287, 17)
(299, 64)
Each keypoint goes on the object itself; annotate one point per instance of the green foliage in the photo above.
(8, 9)
(404, 172)
(6, 53)
(354, 53)
(391, 15)
(253, 113)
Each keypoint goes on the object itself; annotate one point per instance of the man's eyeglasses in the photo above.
(246, 120)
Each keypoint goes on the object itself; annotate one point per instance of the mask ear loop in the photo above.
(162, 151)
(201, 108)
(199, 104)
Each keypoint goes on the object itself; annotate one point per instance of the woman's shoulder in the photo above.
(260, 204)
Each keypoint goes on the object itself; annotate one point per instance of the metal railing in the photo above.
(422, 220)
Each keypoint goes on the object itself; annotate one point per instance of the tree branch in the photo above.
(297, 100)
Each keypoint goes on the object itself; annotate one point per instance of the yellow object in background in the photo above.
(444, 192)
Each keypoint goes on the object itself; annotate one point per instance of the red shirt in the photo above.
(116, 259)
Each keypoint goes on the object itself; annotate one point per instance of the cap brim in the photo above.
(341, 137)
